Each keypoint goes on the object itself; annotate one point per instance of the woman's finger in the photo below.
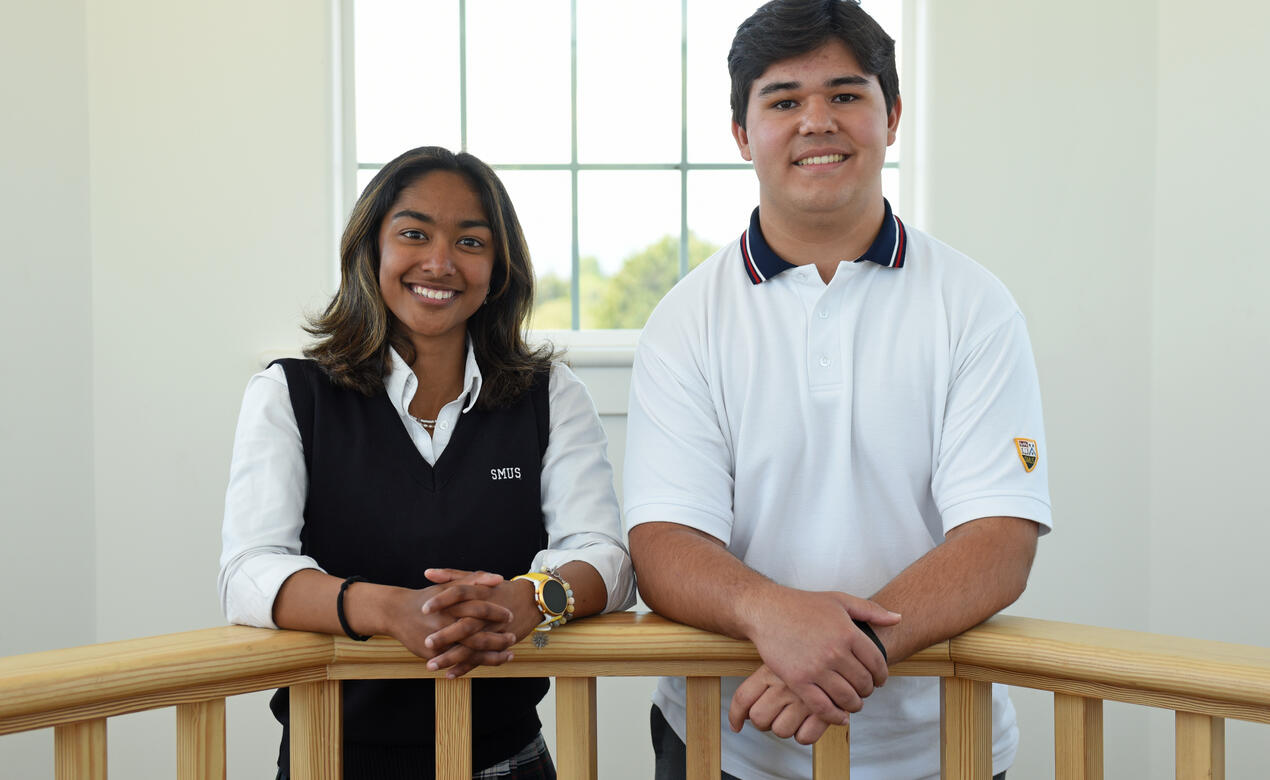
(441, 576)
(453, 594)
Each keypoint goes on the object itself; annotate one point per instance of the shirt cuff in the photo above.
(613, 564)
(1026, 507)
(698, 518)
(253, 588)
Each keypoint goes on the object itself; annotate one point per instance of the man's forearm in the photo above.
(689, 576)
(980, 569)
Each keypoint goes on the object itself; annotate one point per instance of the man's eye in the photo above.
(783, 105)
(845, 98)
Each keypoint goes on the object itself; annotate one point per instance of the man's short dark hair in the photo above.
(783, 29)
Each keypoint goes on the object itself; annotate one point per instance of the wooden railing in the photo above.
(74, 691)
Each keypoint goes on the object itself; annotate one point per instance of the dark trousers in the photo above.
(672, 754)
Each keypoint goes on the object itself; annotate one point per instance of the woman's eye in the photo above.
(413, 235)
(474, 243)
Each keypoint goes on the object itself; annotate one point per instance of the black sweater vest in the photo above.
(375, 508)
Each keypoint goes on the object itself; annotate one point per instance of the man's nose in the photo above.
(817, 117)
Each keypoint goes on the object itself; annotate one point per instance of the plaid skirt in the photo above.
(533, 762)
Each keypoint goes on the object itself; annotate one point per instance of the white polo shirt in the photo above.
(831, 435)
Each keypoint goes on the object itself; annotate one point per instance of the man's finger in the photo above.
(811, 730)
(870, 611)
(743, 700)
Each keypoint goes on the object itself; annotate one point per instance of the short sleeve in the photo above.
(679, 465)
(992, 458)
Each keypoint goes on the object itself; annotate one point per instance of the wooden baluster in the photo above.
(317, 739)
(79, 750)
(965, 729)
(454, 729)
(704, 741)
(1201, 747)
(831, 755)
(200, 740)
(576, 755)
(1077, 738)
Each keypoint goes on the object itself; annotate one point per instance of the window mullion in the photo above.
(575, 283)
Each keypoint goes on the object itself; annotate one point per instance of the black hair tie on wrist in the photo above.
(339, 611)
(868, 631)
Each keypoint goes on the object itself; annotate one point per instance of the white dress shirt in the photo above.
(268, 482)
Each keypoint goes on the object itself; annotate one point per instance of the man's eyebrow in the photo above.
(421, 217)
(847, 81)
(837, 81)
(778, 86)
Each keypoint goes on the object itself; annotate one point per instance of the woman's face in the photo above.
(436, 254)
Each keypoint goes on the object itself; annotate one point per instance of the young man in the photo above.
(834, 406)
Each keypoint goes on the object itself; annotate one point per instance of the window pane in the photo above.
(629, 244)
(711, 26)
(720, 204)
(543, 201)
(629, 81)
(518, 81)
(395, 42)
(891, 187)
(364, 175)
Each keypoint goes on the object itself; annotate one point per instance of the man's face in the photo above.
(816, 130)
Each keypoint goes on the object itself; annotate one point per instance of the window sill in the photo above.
(592, 348)
(581, 348)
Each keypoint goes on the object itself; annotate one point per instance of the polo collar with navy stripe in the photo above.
(761, 263)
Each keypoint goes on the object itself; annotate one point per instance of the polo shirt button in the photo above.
(445, 426)
(824, 314)
(824, 361)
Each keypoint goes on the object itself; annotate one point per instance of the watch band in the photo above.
(552, 595)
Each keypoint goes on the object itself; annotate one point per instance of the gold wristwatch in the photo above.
(554, 598)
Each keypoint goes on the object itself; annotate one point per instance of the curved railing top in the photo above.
(60, 686)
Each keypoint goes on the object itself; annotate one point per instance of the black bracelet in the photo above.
(868, 631)
(339, 611)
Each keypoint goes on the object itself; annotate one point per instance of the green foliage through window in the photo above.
(624, 299)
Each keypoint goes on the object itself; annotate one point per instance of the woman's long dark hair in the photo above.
(357, 329)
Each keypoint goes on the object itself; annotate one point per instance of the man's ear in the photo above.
(893, 121)
(742, 141)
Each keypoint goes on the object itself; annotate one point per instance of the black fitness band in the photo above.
(860, 624)
(339, 612)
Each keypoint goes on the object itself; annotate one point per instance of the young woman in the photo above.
(406, 477)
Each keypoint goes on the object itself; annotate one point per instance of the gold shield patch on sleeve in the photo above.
(1028, 453)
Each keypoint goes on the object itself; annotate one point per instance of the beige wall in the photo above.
(166, 209)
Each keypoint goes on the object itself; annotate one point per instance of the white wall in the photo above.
(46, 438)
(211, 181)
(165, 204)
(1041, 166)
(1210, 342)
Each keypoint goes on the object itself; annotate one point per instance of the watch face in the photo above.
(554, 597)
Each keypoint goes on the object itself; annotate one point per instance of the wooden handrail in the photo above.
(76, 689)
(1193, 675)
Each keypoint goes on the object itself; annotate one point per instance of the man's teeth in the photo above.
(436, 295)
(822, 159)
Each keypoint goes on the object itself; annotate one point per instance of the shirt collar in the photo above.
(401, 382)
(888, 249)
